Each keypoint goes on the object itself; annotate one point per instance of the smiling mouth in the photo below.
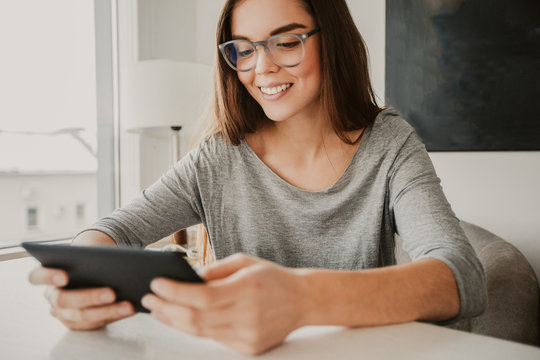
(275, 90)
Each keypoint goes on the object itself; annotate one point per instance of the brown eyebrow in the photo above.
(279, 30)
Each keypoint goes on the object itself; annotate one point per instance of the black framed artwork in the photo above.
(466, 73)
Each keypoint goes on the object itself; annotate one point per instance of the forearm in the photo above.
(423, 290)
(93, 238)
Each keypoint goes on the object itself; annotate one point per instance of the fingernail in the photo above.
(156, 286)
(124, 310)
(59, 280)
(106, 296)
(146, 301)
(202, 271)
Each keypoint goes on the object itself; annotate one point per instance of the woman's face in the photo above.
(257, 20)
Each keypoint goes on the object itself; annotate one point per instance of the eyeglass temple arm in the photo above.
(303, 36)
(312, 32)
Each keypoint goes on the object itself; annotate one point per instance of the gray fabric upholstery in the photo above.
(513, 291)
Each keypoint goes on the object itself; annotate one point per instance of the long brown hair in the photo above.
(347, 98)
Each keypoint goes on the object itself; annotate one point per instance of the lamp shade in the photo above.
(160, 94)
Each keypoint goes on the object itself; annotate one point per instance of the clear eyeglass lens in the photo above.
(244, 55)
(284, 50)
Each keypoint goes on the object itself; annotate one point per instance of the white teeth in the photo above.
(275, 90)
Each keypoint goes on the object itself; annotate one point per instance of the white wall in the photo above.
(499, 191)
(368, 16)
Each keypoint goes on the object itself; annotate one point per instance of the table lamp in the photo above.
(163, 97)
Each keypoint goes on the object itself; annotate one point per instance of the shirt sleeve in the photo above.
(170, 204)
(428, 226)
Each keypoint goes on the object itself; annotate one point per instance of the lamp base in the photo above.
(175, 143)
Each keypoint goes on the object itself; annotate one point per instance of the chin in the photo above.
(278, 111)
(278, 114)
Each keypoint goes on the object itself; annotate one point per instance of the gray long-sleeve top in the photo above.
(389, 187)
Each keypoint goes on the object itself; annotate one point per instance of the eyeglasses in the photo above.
(287, 50)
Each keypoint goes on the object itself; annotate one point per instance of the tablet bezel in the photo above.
(128, 271)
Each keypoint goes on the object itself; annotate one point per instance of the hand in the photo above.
(247, 303)
(81, 309)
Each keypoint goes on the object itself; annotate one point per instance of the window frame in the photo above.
(108, 176)
(32, 219)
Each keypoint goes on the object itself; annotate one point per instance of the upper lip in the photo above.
(274, 84)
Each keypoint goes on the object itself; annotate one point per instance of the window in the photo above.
(49, 131)
(31, 218)
(80, 212)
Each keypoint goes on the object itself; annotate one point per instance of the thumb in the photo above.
(225, 267)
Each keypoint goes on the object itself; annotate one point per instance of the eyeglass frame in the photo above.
(301, 37)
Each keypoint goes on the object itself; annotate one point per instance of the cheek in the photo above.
(246, 78)
(310, 81)
(310, 71)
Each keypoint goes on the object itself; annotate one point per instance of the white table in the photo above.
(27, 331)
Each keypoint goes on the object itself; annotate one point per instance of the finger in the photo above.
(47, 276)
(77, 326)
(201, 296)
(189, 320)
(213, 294)
(92, 316)
(187, 315)
(227, 266)
(221, 333)
(175, 316)
(80, 298)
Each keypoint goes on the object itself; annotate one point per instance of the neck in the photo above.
(302, 137)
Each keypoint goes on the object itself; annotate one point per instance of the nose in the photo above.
(264, 62)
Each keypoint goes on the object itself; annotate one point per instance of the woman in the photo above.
(301, 183)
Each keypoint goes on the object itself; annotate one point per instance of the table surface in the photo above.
(27, 331)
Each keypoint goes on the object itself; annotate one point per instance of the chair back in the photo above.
(513, 311)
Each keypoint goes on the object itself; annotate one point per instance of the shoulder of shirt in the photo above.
(215, 148)
(391, 128)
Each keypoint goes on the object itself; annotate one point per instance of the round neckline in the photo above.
(351, 164)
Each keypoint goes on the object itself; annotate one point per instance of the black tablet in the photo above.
(128, 271)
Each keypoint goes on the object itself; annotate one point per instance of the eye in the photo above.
(288, 44)
(244, 49)
(245, 53)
